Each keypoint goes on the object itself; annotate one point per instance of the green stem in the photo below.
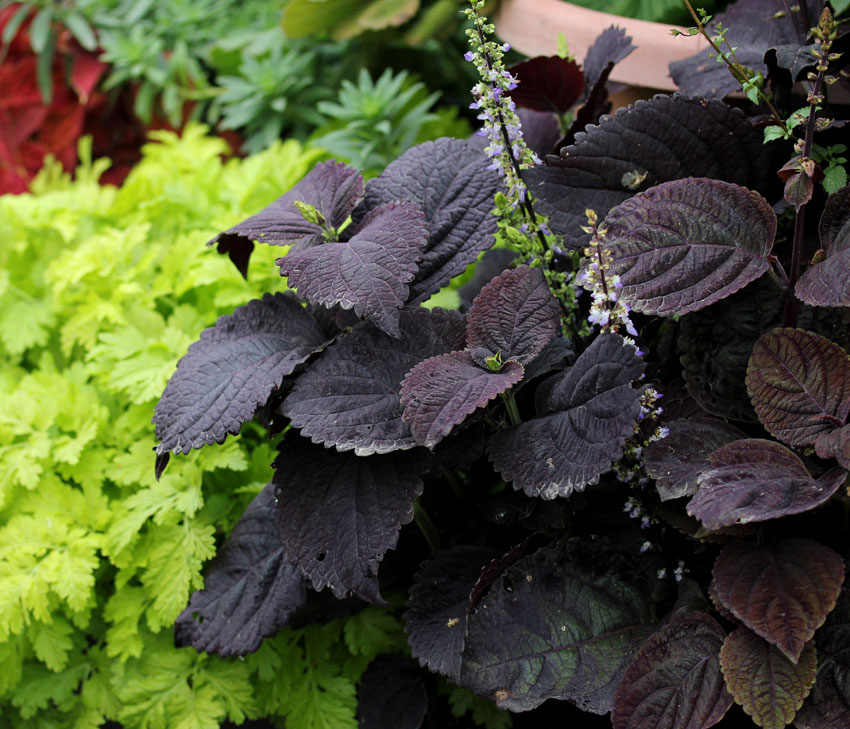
(510, 405)
(427, 527)
(454, 483)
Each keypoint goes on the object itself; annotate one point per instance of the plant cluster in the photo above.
(704, 383)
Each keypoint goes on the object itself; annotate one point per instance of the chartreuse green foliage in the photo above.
(101, 291)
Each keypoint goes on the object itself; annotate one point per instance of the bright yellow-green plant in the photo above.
(101, 291)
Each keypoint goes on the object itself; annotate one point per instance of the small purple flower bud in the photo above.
(468, 56)
(506, 47)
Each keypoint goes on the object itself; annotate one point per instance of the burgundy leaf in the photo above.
(754, 27)
(231, 371)
(491, 264)
(835, 444)
(828, 706)
(391, 694)
(250, 588)
(448, 179)
(443, 391)
(547, 83)
(665, 138)
(559, 623)
(339, 513)
(436, 615)
(611, 46)
(826, 283)
(350, 398)
(674, 681)
(589, 412)
(369, 272)
(676, 461)
(756, 480)
(783, 592)
(541, 131)
(799, 384)
(515, 316)
(333, 188)
(683, 245)
(764, 681)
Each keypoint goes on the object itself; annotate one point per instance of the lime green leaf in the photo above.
(52, 642)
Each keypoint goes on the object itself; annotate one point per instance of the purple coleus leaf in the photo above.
(350, 398)
(757, 480)
(448, 179)
(764, 681)
(332, 188)
(799, 384)
(781, 591)
(547, 83)
(232, 370)
(753, 27)
(683, 245)
(674, 681)
(436, 615)
(835, 444)
(665, 138)
(339, 513)
(250, 589)
(443, 391)
(827, 283)
(676, 461)
(370, 271)
(828, 705)
(588, 413)
(565, 627)
(514, 317)
(391, 694)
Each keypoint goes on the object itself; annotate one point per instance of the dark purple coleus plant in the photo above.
(554, 530)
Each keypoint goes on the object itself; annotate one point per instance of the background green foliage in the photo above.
(101, 291)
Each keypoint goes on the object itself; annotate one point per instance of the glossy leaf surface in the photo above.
(448, 179)
(764, 681)
(350, 398)
(799, 383)
(369, 272)
(443, 391)
(250, 588)
(339, 513)
(674, 681)
(755, 480)
(566, 630)
(782, 591)
(231, 371)
(588, 414)
(686, 244)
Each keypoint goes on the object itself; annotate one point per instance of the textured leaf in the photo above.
(490, 265)
(761, 679)
(449, 180)
(547, 83)
(350, 398)
(828, 706)
(756, 480)
(436, 615)
(799, 384)
(588, 415)
(676, 461)
(754, 27)
(566, 628)
(666, 138)
(514, 316)
(231, 371)
(391, 694)
(611, 46)
(782, 591)
(685, 244)
(333, 188)
(827, 283)
(835, 444)
(674, 681)
(443, 391)
(250, 588)
(339, 513)
(369, 272)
